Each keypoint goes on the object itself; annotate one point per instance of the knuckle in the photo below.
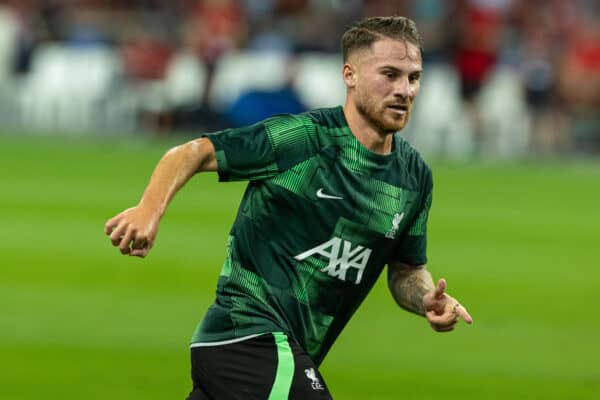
(115, 234)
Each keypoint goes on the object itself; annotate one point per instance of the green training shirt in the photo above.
(320, 218)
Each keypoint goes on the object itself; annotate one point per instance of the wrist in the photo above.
(155, 209)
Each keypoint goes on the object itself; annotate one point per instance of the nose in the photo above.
(402, 88)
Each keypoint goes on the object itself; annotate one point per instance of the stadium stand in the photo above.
(170, 65)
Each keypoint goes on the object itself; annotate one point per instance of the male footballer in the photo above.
(334, 195)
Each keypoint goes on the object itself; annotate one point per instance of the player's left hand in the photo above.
(442, 310)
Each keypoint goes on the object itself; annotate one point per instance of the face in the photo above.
(383, 83)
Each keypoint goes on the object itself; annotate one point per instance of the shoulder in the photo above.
(413, 163)
(326, 117)
(322, 117)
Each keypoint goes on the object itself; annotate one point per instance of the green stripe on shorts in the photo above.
(285, 368)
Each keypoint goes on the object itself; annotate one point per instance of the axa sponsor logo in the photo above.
(343, 255)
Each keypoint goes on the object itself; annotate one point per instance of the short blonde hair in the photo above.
(366, 32)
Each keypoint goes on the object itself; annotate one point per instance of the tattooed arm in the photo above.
(413, 289)
(408, 284)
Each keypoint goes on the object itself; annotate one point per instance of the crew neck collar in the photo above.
(361, 149)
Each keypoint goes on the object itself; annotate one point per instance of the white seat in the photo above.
(8, 43)
(319, 80)
(438, 125)
(238, 72)
(504, 115)
(185, 80)
(69, 87)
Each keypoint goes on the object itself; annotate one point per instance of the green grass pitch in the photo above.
(518, 245)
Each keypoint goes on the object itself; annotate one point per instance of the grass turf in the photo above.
(518, 245)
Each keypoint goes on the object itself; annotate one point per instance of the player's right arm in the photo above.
(134, 230)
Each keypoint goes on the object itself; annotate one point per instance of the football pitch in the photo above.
(519, 245)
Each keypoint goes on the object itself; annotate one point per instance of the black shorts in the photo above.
(263, 367)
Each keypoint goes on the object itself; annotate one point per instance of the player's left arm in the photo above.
(413, 289)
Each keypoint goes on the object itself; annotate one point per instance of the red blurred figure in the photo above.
(146, 58)
(216, 26)
(479, 40)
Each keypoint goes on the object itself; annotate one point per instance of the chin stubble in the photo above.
(379, 123)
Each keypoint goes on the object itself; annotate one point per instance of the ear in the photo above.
(349, 75)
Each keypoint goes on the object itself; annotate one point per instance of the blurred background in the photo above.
(504, 78)
(92, 93)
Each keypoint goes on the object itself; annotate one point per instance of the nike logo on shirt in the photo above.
(322, 195)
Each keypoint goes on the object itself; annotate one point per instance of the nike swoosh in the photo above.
(322, 195)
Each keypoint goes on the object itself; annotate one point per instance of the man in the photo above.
(334, 195)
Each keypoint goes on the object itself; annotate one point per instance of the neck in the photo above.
(366, 133)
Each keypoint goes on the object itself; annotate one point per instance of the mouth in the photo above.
(398, 108)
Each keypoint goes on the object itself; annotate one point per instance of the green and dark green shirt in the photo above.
(320, 218)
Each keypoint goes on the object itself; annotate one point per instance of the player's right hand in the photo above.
(133, 231)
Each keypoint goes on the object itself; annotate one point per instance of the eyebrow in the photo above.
(390, 67)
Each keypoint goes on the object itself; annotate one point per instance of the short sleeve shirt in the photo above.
(320, 218)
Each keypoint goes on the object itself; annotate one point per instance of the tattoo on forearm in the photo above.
(408, 288)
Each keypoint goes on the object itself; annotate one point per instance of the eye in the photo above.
(414, 78)
(391, 75)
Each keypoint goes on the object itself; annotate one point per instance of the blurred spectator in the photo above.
(145, 57)
(257, 104)
(540, 30)
(216, 26)
(478, 40)
(432, 18)
(9, 31)
(373, 8)
(579, 82)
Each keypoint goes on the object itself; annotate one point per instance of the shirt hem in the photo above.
(226, 342)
